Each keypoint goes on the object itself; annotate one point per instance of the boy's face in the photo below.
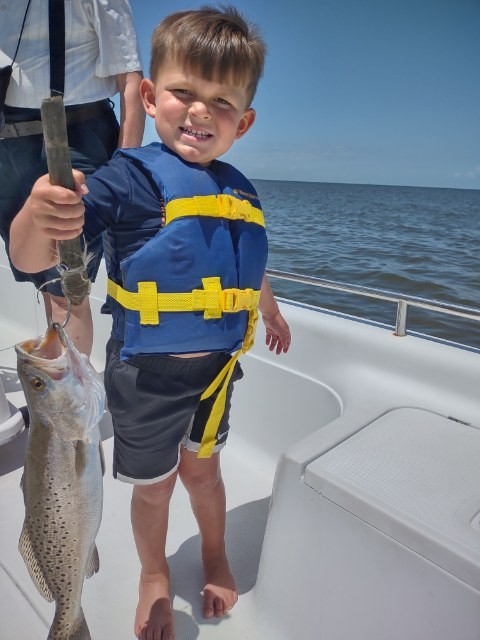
(197, 118)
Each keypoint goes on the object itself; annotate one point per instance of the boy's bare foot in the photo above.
(219, 593)
(154, 618)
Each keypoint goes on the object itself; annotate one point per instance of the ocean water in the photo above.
(413, 240)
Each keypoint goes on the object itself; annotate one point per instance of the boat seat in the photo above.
(389, 515)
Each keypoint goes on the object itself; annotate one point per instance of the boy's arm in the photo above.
(49, 214)
(278, 333)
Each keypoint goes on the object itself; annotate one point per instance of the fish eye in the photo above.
(37, 384)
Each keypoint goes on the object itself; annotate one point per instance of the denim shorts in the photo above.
(155, 406)
(23, 160)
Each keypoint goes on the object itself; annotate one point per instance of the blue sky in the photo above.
(359, 91)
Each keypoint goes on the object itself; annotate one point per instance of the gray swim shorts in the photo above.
(155, 405)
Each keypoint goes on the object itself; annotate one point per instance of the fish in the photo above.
(62, 479)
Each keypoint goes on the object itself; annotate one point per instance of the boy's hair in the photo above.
(218, 44)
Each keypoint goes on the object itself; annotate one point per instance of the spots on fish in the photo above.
(51, 554)
(76, 631)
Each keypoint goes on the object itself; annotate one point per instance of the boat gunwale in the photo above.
(402, 301)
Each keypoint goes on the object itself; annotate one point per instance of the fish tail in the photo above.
(78, 631)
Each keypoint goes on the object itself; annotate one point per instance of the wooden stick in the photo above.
(75, 286)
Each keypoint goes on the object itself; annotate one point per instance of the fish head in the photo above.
(63, 391)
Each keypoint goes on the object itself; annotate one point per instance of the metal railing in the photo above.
(402, 301)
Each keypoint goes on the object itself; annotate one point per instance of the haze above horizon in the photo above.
(374, 92)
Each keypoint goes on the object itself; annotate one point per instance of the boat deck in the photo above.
(302, 562)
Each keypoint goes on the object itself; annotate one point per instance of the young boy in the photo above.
(186, 253)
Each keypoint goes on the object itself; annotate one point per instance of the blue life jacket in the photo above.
(193, 286)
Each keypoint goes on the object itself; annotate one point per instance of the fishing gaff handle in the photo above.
(71, 255)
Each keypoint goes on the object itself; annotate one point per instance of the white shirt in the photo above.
(101, 42)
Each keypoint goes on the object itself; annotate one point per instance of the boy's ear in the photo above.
(246, 122)
(147, 94)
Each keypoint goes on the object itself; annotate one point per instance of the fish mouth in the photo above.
(69, 387)
(48, 353)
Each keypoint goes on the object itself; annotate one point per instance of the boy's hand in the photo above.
(278, 334)
(56, 212)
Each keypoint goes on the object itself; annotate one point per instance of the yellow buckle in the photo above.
(235, 300)
(229, 300)
(235, 209)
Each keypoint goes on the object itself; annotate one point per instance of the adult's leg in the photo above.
(203, 480)
(21, 164)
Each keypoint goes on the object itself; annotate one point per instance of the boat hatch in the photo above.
(414, 476)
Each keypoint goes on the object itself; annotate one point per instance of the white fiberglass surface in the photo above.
(338, 376)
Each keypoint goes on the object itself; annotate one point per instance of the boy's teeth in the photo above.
(193, 132)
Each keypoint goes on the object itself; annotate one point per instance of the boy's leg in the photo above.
(152, 400)
(203, 480)
(149, 513)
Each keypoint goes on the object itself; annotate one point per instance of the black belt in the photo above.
(73, 116)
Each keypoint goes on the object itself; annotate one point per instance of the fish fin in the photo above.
(57, 630)
(34, 569)
(102, 457)
(93, 564)
(23, 481)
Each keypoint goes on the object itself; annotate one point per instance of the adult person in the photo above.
(102, 59)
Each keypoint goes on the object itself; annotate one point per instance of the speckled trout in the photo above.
(62, 479)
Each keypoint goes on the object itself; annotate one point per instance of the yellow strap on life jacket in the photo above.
(212, 300)
(220, 206)
(211, 428)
